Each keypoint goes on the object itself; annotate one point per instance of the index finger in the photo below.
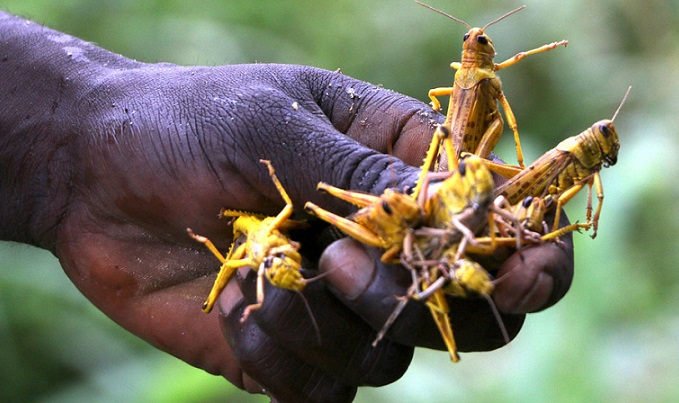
(380, 119)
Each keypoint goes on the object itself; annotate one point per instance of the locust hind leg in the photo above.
(490, 138)
(358, 199)
(600, 196)
(225, 273)
(441, 137)
(349, 227)
(562, 200)
(556, 234)
(438, 306)
(228, 268)
(449, 148)
(504, 170)
(207, 243)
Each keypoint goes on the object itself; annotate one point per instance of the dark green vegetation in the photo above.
(613, 337)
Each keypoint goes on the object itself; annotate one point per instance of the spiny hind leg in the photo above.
(439, 310)
(449, 148)
(401, 303)
(600, 196)
(556, 234)
(441, 137)
(358, 199)
(552, 236)
(225, 273)
(562, 200)
(349, 227)
(490, 138)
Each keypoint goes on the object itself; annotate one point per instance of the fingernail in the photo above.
(229, 298)
(350, 267)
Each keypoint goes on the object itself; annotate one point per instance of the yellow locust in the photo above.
(266, 249)
(563, 171)
(473, 118)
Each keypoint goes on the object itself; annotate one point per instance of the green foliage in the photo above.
(613, 337)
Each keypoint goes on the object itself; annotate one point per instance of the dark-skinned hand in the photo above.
(105, 162)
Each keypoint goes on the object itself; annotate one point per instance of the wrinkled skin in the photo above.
(105, 161)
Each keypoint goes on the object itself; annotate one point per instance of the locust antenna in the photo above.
(621, 103)
(503, 17)
(498, 318)
(311, 315)
(308, 307)
(445, 14)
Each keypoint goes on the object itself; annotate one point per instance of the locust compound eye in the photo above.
(527, 201)
(465, 37)
(462, 168)
(605, 130)
(386, 207)
(482, 40)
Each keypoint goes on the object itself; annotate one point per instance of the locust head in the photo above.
(476, 44)
(400, 208)
(607, 138)
(283, 270)
(469, 278)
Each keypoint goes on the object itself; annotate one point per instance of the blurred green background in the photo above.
(614, 337)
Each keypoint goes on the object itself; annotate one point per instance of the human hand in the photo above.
(160, 174)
